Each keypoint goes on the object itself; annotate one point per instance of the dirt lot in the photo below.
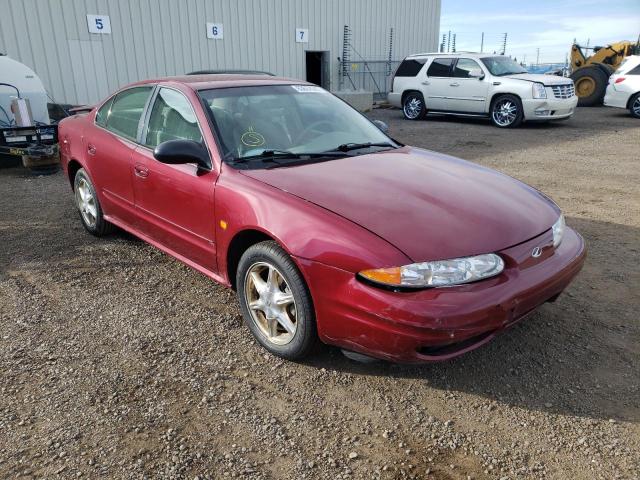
(118, 362)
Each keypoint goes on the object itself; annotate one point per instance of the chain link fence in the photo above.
(369, 75)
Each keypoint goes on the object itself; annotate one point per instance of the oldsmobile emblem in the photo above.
(536, 252)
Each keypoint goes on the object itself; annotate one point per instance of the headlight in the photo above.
(440, 273)
(558, 231)
(538, 90)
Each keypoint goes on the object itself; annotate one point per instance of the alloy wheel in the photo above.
(271, 303)
(636, 107)
(86, 203)
(505, 112)
(412, 108)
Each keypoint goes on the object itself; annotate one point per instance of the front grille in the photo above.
(566, 90)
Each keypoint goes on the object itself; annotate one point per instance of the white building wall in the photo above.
(151, 38)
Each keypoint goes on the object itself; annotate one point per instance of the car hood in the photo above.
(429, 206)
(537, 77)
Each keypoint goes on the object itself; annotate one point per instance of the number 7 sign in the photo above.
(302, 35)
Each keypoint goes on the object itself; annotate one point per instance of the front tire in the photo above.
(88, 205)
(275, 301)
(634, 105)
(413, 106)
(506, 111)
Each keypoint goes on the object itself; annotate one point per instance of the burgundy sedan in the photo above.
(327, 228)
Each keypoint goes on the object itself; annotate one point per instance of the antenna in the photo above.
(482, 43)
(444, 38)
(453, 47)
(449, 41)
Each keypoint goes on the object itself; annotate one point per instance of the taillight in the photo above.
(619, 80)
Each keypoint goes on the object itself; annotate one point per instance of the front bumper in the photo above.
(616, 98)
(549, 108)
(440, 323)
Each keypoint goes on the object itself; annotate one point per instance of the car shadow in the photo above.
(576, 356)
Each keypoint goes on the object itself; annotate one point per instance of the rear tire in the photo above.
(506, 111)
(634, 105)
(413, 106)
(591, 84)
(88, 205)
(275, 301)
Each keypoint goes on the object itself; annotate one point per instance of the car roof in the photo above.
(209, 81)
(455, 54)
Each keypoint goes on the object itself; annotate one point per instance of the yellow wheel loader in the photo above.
(591, 73)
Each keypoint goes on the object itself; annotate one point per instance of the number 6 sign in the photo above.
(302, 35)
(214, 30)
(99, 24)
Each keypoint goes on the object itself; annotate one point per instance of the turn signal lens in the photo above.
(439, 273)
(620, 79)
(388, 276)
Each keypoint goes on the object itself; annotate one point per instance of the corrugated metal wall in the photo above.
(153, 38)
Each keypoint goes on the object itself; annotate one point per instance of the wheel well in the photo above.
(407, 92)
(631, 97)
(239, 244)
(72, 169)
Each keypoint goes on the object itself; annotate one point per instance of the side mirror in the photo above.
(383, 127)
(476, 73)
(175, 152)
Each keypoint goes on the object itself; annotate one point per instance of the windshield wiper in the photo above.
(271, 155)
(346, 147)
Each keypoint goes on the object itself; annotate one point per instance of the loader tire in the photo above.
(591, 83)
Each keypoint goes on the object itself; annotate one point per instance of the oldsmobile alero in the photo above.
(325, 226)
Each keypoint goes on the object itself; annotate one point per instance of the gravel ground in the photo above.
(117, 361)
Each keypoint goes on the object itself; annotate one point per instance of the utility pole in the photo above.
(449, 41)
(482, 43)
(444, 39)
(537, 56)
(453, 48)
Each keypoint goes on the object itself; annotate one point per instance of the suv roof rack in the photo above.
(459, 52)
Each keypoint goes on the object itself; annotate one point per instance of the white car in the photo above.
(623, 90)
(476, 84)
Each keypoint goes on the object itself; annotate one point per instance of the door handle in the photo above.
(141, 171)
(426, 82)
(91, 149)
(454, 84)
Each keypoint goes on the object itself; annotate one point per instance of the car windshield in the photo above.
(288, 120)
(502, 65)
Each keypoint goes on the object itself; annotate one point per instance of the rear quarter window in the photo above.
(410, 67)
(634, 71)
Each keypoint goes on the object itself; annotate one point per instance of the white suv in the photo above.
(476, 84)
(623, 90)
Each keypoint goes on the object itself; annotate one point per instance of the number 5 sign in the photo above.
(302, 35)
(214, 30)
(99, 23)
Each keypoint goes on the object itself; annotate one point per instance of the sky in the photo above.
(548, 25)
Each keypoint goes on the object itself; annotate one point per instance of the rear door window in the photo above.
(126, 110)
(410, 67)
(463, 67)
(440, 67)
(172, 118)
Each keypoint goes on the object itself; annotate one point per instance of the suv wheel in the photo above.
(506, 111)
(634, 105)
(275, 301)
(413, 106)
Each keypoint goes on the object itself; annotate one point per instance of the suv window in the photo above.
(172, 118)
(126, 111)
(103, 113)
(410, 67)
(463, 67)
(440, 67)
